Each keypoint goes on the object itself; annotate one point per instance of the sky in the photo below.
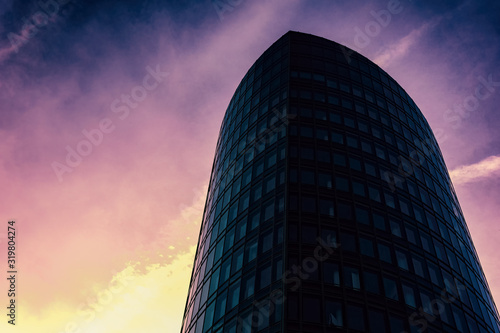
(109, 116)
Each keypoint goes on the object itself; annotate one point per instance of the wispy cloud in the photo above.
(487, 168)
(137, 299)
(401, 47)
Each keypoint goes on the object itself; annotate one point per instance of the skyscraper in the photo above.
(330, 208)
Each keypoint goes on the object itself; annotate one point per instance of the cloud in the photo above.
(137, 299)
(487, 168)
(401, 47)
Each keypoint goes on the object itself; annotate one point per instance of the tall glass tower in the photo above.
(330, 208)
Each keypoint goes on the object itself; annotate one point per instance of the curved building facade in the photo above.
(330, 208)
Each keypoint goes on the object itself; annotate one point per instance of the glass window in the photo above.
(270, 183)
(254, 219)
(355, 164)
(209, 317)
(348, 242)
(308, 204)
(366, 247)
(344, 211)
(267, 241)
(322, 134)
(237, 260)
(405, 208)
(335, 118)
(244, 201)
(249, 286)
(331, 273)
(259, 167)
(411, 234)
(352, 141)
(214, 281)
(326, 207)
(371, 169)
(397, 325)
(358, 188)
(307, 153)
(320, 114)
(233, 295)
(220, 307)
(434, 274)
(319, 97)
(366, 147)
(357, 92)
(345, 87)
(409, 295)
(325, 180)
(374, 193)
(379, 221)
(395, 228)
(426, 243)
(389, 200)
(268, 210)
(418, 266)
(241, 229)
(330, 83)
(384, 253)
(251, 249)
(426, 303)
(355, 318)
(391, 290)
(225, 271)
(333, 312)
(459, 319)
(311, 309)
(337, 137)
(342, 184)
(307, 177)
(363, 126)
(376, 321)
(339, 159)
(265, 276)
(362, 216)
(371, 282)
(351, 278)
(257, 192)
(323, 156)
(309, 234)
(306, 131)
(402, 260)
(380, 152)
(333, 100)
(229, 241)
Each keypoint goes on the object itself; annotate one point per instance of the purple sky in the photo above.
(130, 208)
